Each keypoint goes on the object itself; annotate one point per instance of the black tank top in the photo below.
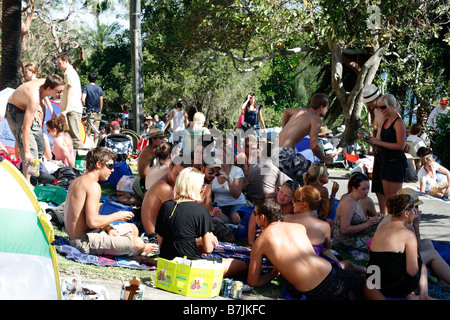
(389, 135)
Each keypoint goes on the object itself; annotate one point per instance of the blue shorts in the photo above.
(229, 210)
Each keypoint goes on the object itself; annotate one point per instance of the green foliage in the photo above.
(113, 66)
(441, 138)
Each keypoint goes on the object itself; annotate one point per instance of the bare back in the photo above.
(301, 123)
(288, 248)
(145, 160)
(160, 192)
(78, 202)
(27, 95)
(318, 231)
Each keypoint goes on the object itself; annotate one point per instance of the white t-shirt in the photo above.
(423, 177)
(222, 195)
(178, 120)
(418, 142)
(432, 117)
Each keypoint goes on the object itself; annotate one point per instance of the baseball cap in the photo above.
(214, 163)
(370, 93)
(115, 124)
(443, 101)
(155, 133)
(412, 193)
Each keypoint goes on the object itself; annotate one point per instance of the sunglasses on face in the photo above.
(382, 107)
(110, 165)
(216, 173)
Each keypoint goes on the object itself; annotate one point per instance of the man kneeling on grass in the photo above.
(289, 249)
(91, 232)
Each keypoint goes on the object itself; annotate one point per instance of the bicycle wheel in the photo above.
(135, 138)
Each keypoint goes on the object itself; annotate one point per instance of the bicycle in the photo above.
(86, 123)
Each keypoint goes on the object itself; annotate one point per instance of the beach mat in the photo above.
(63, 247)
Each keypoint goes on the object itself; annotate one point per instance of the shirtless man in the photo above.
(160, 192)
(20, 114)
(91, 232)
(371, 94)
(288, 248)
(147, 155)
(296, 124)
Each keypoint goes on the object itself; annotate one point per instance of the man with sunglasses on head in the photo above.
(91, 232)
(371, 94)
(21, 111)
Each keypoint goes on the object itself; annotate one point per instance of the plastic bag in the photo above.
(125, 184)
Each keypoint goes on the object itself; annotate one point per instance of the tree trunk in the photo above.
(351, 101)
(11, 40)
(137, 65)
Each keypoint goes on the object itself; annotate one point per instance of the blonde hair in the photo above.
(189, 184)
(314, 172)
(428, 159)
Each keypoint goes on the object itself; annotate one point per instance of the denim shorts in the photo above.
(229, 210)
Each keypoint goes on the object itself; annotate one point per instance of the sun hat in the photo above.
(324, 130)
(370, 93)
(412, 193)
(155, 133)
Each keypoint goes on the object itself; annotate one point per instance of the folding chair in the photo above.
(350, 159)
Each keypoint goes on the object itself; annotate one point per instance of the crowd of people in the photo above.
(195, 185)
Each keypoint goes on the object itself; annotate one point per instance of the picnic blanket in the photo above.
(63, 247)
(222, 250)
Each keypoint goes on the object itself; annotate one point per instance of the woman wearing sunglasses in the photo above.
(392, 139)
(394, 253)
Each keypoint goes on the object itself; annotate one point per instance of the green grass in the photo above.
(69, 267)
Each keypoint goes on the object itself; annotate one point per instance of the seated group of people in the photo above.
(186, 201)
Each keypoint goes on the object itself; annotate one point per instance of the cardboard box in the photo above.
(197, 278)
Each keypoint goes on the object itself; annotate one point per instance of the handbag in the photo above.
(241, 120)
